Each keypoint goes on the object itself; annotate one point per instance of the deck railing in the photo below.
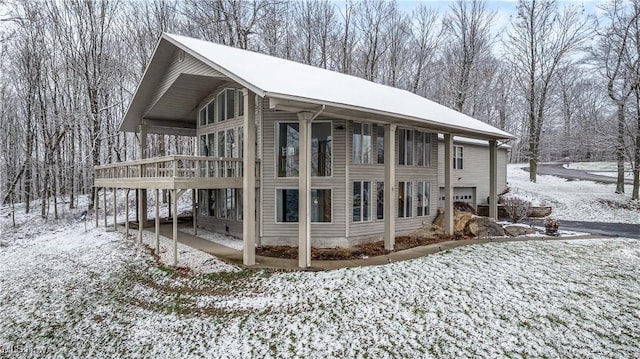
(175, 167)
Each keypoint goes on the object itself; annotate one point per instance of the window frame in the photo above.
(405, 146)
(425, 209)
(406, 206)
(457, 166)
(362, 155)
(361, 206)
(278, 189)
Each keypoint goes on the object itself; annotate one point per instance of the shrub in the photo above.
(517, 208)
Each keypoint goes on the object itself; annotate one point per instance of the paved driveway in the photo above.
(556, 169)
(607, 229)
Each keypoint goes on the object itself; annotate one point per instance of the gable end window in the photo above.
(226, 104)
(457, 157)
(207, 113)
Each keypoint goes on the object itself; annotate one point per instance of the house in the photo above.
(291, 154)
(470, 172)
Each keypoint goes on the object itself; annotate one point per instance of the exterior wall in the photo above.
(322, 234)
(475, 171)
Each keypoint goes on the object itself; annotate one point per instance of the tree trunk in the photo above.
(620, 150)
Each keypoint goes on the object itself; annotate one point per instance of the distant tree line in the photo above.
(564, 81)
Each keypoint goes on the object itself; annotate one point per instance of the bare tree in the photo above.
(540, 39)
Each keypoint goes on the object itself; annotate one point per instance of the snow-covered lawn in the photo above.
(628, 174)
(573, 200)
(67, 293)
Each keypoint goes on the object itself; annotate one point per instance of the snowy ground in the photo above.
(73, 294)
(573, 200)
(596, 166)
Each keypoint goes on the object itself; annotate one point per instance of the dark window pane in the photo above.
(221, 104)
(287, 203)
(320, 205)
(356, 142)
(380, 143)
(230, 102)
(288, 150)
(401, 146)
(366, 211)
(211, 112)
(380, 200)
(357, 204)
(321, 149)
(240, 103)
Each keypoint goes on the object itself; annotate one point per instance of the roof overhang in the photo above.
(293, 104)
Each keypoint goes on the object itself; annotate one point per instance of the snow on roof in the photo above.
(279, 78)
(472, 141)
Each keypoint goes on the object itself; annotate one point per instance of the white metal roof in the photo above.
(279, 78)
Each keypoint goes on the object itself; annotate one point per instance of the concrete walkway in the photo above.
(282, 264)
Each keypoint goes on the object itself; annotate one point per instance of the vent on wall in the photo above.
(180, 56)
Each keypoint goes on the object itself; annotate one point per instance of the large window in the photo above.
(405, 196)
(288, 150)
(380, 200)
(361, 143)
(288, 147)
(423, 149)
(457, 157)
(226, 102)
(424, 197)
(321, 149)
(361, 201)
(287, 205)
(405, 147)
(380, 143)
(225, 203)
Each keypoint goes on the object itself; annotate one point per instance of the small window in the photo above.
(405, 196)
(321, 149)
(424, 196)
(380, 143)
(457, 157)
(405, 147)
(361, 201)
(321, 205)
(423, 149)
(380, 200)
(240, 103)
(210, 113)
(203, 116)
(361, 142)
(288, 150)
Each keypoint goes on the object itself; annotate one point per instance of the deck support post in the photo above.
(249, 180)
(141, 216)
(448, 189)
(174, 199)
(194, 210)
(304, 190)
(142, 193)
(493, 179)
(104, 203)
(157, 213)
(389, 186)
(126, 210)
(96, 200)
(115, 210)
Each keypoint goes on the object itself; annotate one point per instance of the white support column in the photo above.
(115, 210)
(304, 190)
(448, 189)
(104, 203)
(96, 200)
(389, 186)
(142, 193)
(126, 211)
(493, 179)
(249, 180)
(141, 216)
(194, 210)
(174, 199)
(157, 198)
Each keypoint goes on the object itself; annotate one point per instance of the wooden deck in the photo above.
(173, 172)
